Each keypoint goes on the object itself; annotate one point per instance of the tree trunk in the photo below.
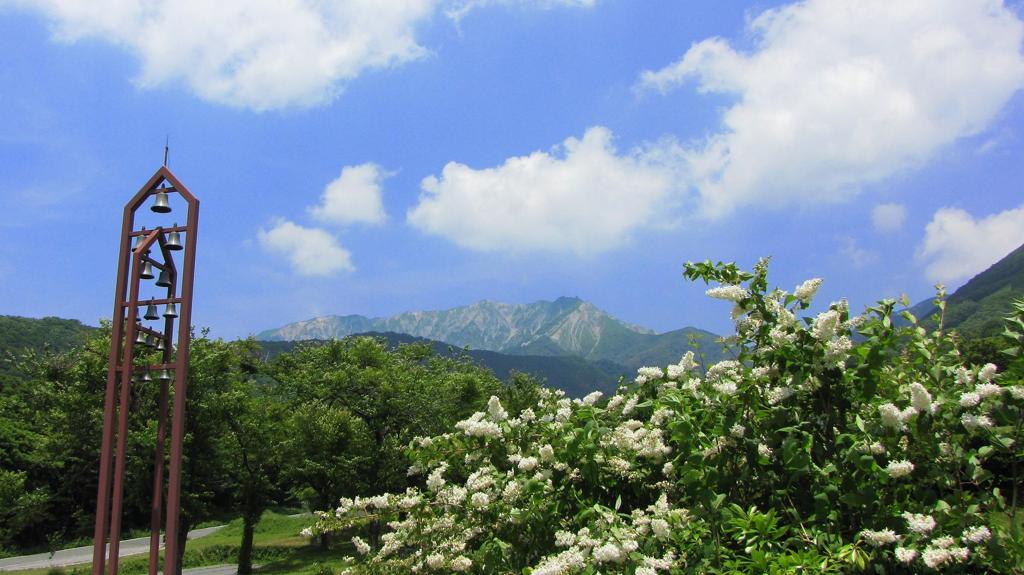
(182, 540)
(245, 552)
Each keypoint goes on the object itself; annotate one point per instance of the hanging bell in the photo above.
(139, 239)
(165, 375)
(151, 312)
(160, 344)
(145, 377)
(164, 280)
(160, 204)
(150, 341)
(174, 240)
(140, 339)
(147, 271)
(171, 310)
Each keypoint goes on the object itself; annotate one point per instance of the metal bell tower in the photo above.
(133, 345)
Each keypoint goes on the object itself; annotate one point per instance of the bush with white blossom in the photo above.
(829, 444)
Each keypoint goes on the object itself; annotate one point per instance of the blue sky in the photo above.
(374, 157)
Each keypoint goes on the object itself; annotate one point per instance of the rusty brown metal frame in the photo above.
(122, 367)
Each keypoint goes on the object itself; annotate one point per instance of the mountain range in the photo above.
(567, 326)
(574, 375)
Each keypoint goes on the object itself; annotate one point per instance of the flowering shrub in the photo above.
(830, 444)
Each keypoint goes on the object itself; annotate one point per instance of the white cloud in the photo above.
(258, 54)
(582, 197)
(311, 251)
(457, 9)
(855, 255)
(354, 196)
(888, 218)
(956, 246)
(837, 94)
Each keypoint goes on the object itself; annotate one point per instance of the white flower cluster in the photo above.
(919, 523)
(897, 469)
(977, 534)
(435, 481)
(838, 349)
(987, 372)
(964, 375)
(894, 417)
(805, 292)
(905, 555)
(920, 399)
(461, 564)
(880, 538)
(731, 293)
(825, 325)
(645, 374)
(939, 553)
(987, 390)
(974, 423)
(724, 375)
(477, 426)
(777, 395)
(361, 546)
(632, 437)
(970, 399)
(495, 409)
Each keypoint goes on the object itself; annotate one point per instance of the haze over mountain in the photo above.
(565, 326)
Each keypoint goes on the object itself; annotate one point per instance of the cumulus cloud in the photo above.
(888, 218)
(354, 196)
(311, 251)
(258, 54)
(838, 94)
(957, 246)
(582, 197)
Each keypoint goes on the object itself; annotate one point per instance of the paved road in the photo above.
(84, 555)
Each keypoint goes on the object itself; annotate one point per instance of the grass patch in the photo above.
(308, 560)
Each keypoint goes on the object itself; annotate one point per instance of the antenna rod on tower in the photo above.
(167, 149)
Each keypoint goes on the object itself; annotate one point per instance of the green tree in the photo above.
(329, 450)
(377, 400)
(254, 456)
(212, 482)
(18, 506)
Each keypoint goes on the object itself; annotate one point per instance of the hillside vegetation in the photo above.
(977, 308)
(21, 334)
